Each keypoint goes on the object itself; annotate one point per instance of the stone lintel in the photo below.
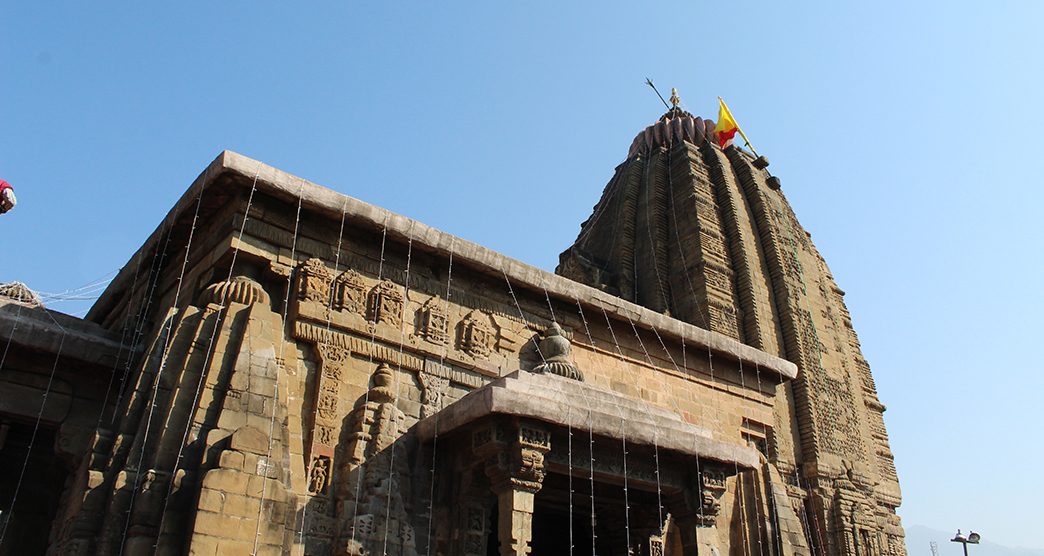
(606, 413)
(327, 201)
(41, 329)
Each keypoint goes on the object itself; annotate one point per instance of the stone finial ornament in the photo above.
(20, 292)
(382, 391)
(237, 290)
(556, 351)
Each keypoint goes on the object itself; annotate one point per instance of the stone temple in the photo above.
(282, 369)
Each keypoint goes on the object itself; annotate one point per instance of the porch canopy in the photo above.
(570, 403)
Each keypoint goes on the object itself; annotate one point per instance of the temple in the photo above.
(281, 369)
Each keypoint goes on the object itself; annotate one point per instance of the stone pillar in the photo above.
(513, 453)
(689, 539)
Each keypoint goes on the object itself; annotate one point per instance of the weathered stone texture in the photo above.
(324, 382)
(756, 276)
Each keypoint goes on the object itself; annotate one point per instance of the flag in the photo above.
(726, 127)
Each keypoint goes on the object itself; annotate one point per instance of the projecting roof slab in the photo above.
(34, 327)
(481, 259)
(548, 398)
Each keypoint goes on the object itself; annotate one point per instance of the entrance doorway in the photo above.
(554, 517)
(28, 518)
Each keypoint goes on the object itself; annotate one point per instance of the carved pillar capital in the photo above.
(513, 453)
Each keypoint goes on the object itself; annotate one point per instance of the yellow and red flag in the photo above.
(726, 127)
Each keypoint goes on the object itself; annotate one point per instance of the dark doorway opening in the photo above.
(28, 518)
(554, 517)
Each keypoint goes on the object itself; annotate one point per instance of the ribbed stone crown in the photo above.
(694, 231)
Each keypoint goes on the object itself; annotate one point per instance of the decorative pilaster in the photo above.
(514, 462)
(375, 489)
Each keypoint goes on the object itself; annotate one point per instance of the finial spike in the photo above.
(650, 83)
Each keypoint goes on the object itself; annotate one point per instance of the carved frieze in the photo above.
(434, 393)
(314, 281)
(387, 303)
(435, 321)
(478, 335)
(350, 293)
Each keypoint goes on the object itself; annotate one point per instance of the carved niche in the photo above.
(387, 303)
(350, 293)
(478, 335)
(710, 486)
(434, 390)
(319, 475)
(435, 321)
(332, 360)
(375, 514)
(314, 281)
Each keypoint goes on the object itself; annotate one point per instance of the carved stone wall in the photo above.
(739, 263)
(272, 412)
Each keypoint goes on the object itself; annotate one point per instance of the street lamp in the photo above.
(972, 538)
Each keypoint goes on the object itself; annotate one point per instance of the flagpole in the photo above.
(739, 129)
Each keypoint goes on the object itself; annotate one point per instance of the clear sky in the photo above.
(907, 136)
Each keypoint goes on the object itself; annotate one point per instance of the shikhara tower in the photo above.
(282, 369)
(695, 231)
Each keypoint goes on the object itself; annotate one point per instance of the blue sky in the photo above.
(906, 135)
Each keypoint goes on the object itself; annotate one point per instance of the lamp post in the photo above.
(972, 538)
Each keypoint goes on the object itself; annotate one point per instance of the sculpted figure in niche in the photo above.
(478, 336)
(314, 281)
(320, 475)
(387, 301)
(435, 321)
(350, 293)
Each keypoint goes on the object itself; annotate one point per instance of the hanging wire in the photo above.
(329, 323)
(587, 399)
(569, 475)
(119, 353)
(783, 214)
(777, 538)
(590, 432)
(14, 329)
(366, 395)
(144, 306)
(569, 433)
(754, 485)
(402, 341)
(39, 415)
(218, 319)
(438, 410)
(275, 387)
(79, 293)
(167, 341)
(627, 513)
(569, 425)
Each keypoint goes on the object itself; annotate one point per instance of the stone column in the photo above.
(513, 453)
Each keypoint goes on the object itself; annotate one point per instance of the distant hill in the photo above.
(918, 538)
